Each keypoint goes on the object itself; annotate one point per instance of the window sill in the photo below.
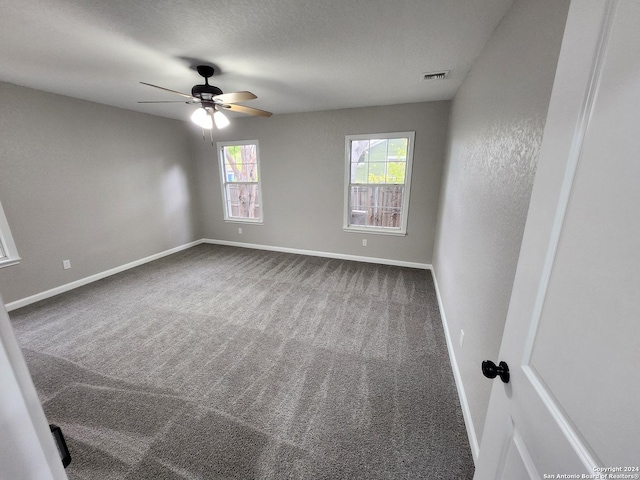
(245, 221)
(392, 233)
(7, 262)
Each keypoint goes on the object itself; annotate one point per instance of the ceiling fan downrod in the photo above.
(206, 91)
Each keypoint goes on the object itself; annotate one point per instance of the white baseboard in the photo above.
(98, 276)
(315, 253)
(92, 278)
(464, 403)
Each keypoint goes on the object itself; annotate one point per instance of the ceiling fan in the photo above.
(212, 101)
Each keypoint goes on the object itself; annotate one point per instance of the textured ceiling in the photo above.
(295, 55)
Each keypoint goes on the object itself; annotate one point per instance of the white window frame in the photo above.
(402, 230)
(223, 182)
(8, 251)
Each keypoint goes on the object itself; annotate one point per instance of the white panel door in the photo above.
(27, 449)
(572, 336)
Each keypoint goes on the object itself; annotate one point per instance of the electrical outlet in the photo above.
(364, 242)
(239, 230)
(66, 264)
(461, 337)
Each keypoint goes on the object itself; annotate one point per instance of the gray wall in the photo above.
(97, 185)
(496, 127)
(302, 166)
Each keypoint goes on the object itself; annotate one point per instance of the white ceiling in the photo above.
(295, 55)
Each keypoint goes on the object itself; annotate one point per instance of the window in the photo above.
(240, 177)
(8, 252)
(378, 176)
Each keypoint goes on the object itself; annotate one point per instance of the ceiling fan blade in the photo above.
(247, 110)
(167, 101)
(234, 97)
(167, 89)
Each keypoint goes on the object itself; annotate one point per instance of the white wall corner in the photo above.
(464, 403)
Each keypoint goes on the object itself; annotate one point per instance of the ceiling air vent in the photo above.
(434, 75)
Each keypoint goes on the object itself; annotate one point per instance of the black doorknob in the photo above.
(491, 370)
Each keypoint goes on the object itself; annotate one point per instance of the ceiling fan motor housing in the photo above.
(205, 92)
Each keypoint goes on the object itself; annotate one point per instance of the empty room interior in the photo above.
(292, 239)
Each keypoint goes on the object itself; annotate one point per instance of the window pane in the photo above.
(390, 197)
(379, 160)
(359, 150)
(359, 172)
(242, 172)
(390, 217)
(376, 206)
(242, 201)
(378, 150)
(396, 172)
(240, 163)
(376, 172)
(360, 198)
(397, 149)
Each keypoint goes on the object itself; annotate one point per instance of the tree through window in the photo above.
(239, 170)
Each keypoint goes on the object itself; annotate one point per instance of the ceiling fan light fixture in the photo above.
(202, 118)
(220, 119)
(212, 101)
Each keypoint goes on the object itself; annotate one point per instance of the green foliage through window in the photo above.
(379, 161)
